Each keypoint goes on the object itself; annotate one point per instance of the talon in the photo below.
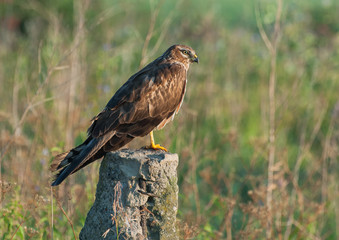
(155, 146)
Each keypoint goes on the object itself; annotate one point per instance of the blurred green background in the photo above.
(61, 61)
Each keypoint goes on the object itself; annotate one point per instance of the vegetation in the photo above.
(257, 135)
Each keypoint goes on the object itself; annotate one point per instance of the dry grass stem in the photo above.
(65, 214)
(272, 46)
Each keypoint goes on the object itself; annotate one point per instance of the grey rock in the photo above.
(136, 197)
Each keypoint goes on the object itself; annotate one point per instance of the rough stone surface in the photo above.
(136, 197)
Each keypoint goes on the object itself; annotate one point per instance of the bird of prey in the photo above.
(147, 101)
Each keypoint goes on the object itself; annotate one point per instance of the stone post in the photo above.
(136, 197)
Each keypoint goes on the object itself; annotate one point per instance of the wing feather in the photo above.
(143, 102)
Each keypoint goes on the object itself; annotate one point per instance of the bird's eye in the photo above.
(185, 52)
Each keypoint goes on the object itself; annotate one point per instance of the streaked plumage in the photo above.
(148, 100)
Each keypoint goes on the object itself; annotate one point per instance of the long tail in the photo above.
(70, 162)
(84, 154)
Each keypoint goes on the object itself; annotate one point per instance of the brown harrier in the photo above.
(147, 101)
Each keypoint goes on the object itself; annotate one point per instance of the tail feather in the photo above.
(60, 161)
(71, 160)
(84, 154)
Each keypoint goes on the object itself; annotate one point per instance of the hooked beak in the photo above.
(195, 58)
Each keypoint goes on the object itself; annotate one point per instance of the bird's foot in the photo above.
(156, 147)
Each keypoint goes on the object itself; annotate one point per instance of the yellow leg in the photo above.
(155, 146)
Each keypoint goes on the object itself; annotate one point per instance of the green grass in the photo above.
(221, 133)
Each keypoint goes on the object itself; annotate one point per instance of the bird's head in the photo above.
(182, 53)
